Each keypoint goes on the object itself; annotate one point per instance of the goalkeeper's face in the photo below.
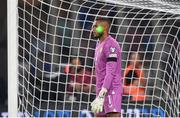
(98, 29)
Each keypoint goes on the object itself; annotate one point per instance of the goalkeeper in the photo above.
(108, 72)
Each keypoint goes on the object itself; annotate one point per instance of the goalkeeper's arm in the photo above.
(97, 104)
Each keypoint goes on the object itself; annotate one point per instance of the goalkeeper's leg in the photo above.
(113, 114)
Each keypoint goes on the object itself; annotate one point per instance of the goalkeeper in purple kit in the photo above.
(108, 72)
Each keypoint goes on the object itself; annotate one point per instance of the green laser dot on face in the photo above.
(100, 29)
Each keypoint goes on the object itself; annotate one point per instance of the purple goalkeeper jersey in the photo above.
(108, 66)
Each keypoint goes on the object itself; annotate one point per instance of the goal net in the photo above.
(56, 56)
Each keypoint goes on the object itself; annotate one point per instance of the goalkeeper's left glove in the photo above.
(97, 104)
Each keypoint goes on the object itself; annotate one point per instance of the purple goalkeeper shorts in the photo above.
(112, 103)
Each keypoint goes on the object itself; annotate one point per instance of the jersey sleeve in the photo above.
(111, 55)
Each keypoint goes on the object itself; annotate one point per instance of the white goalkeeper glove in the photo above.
(97, 104)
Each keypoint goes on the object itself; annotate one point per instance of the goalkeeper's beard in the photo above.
(99, 36)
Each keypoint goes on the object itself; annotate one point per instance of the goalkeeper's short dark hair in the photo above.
(102, 18)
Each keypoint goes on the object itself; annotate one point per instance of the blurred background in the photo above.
(3, 54)
(50, 38)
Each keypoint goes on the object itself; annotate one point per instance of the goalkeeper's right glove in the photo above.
(97, 104)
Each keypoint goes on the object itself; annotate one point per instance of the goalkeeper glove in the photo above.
(97, 104)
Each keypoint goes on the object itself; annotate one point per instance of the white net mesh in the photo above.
(160, 5)
(52, 33)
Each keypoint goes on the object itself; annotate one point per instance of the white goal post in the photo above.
(46, 36)
(12, 25)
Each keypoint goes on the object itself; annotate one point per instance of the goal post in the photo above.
(12, 57)
(51, 63)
